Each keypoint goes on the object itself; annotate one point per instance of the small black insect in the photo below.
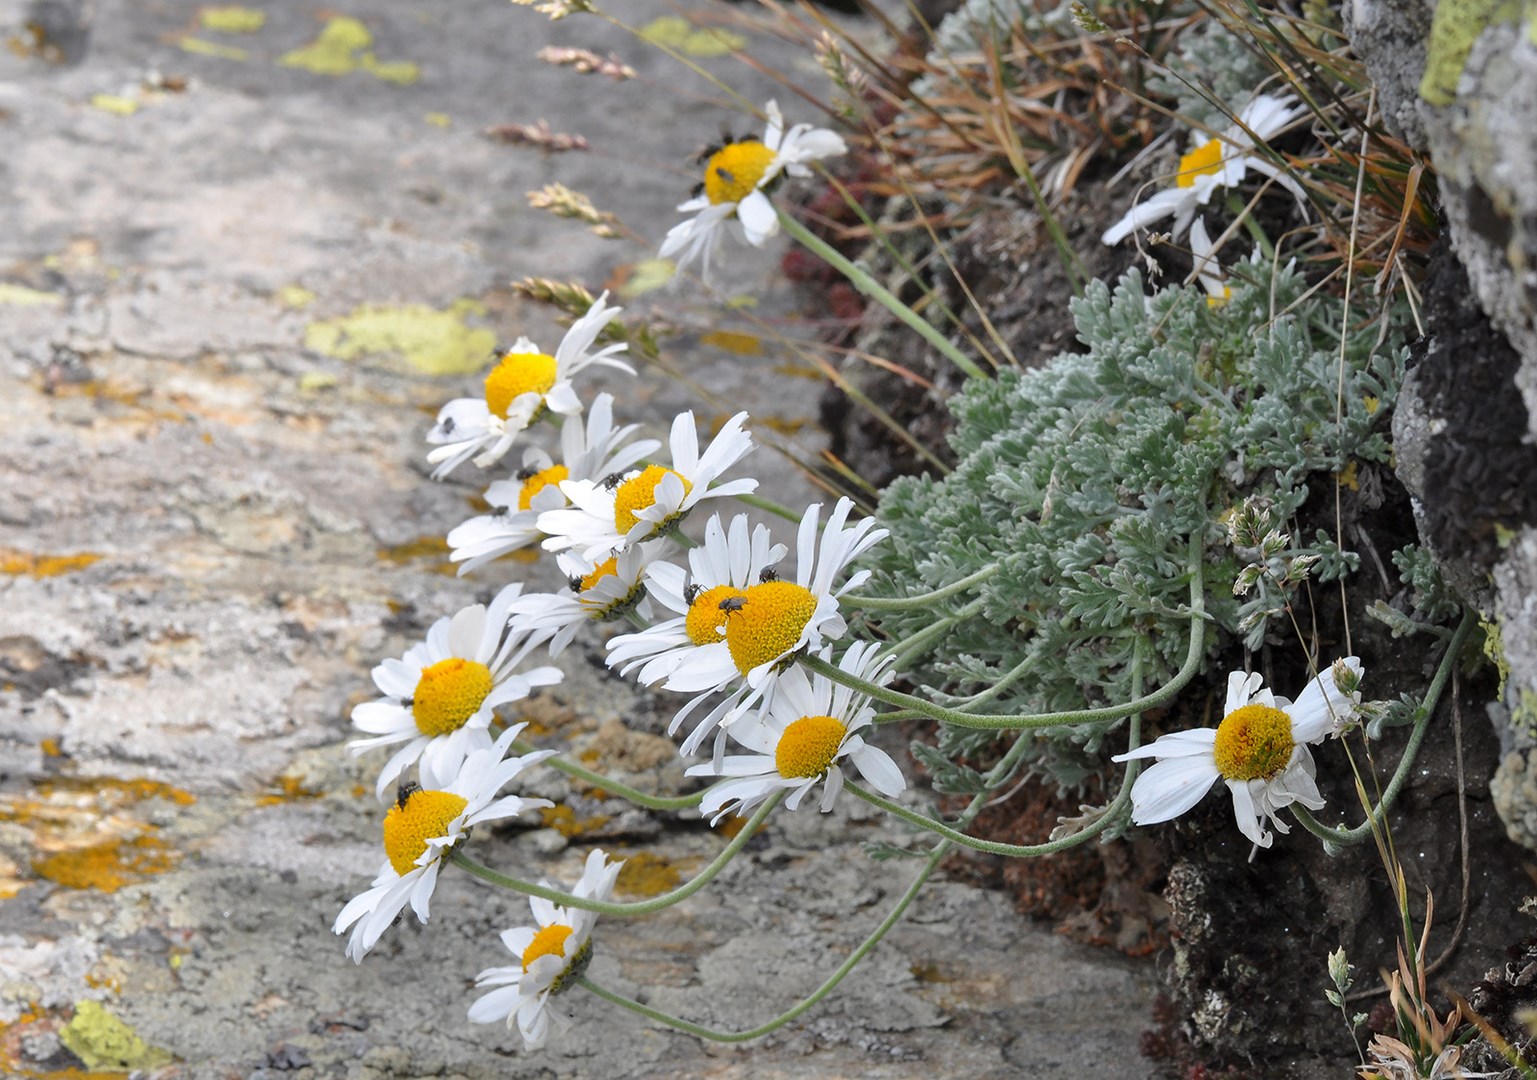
(447, 426)
(612, 481)
(527, 473)
(575, 581)
(767, 574)
(691, 593)
(404, 792)
(733, 604)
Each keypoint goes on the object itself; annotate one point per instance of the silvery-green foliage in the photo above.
(1086, 480)
(1212, 64)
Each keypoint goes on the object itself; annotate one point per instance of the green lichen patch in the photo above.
(1454, 28)
(342, 48)
(102, 1041)
(430, 340)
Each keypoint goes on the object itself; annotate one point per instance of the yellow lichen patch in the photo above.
(423, 547)
(107, 866)
(564, 821)
(741, 344)
(799, 371)
(102, 1041)
(16, 563)
(313, 382)
(289, 789)
(232, 19)
(432, 341)
(295, 296)
(645, 874)
(342, 48)
(210, 48)
(114, 792)
(115, 104)
(676, 32)
(1347, 477)
(439, 119)
(11, 881)
(50, 748)
(21, 296)
(644, 276)
(784, 425)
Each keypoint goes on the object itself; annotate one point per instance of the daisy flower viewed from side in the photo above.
(440, 696)
(775, 620)
(1260, 750)
(524, 384)
(423, 825)
(1207, 269)
(737, 179)
(550, 958)
(589, 450)
(643, 504)
(598, 592)
(802, 737)
(721, 569)
(1214, 163)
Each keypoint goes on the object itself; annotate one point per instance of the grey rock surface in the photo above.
(211, 528)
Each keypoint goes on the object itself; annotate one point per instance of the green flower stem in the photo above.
(921, 640)
(1010, 722)
(1411, 751)
(907, 603)
(848, 965)
(871, 288)
(769, 506)
(613, 787)
(639, 907)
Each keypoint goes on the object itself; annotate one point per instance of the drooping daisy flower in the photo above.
(1213, 163)
(1207, 269)
(1260, 750)
(801, 737)
(440, 696)
(589, 451)
(422, 827)
(598, 592)
(723, 568)
(549, 960)
(737, 178)
(523, 385)
(775, 620)
(643, 504)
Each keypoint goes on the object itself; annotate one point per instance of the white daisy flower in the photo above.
(719, 570)
(440, 696)
(776, 620)
(589, 451)
(523, 385)
(550, 959)
(737, 179)
(801, 737)
(1260, 750)
(425, 823)
(1207, 269)
(1214, 163)
(643, 504)
(598, 592)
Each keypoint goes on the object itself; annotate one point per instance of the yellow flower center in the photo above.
(735, 169)
(808, 746)
(608, 566)
(449, 693)
(549, 941)
(705, 617)
(407, 828)
(517, 374)
(769, 622)
(639, 492)
(542, 479)
(1204, 160)
(1253, 743)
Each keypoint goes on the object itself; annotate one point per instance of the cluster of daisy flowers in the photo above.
(723, 620)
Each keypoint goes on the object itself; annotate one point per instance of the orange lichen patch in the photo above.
(16, 563)
(423, 547)
(784, 425)
(102, 981)
(11, 881)
(50, 748)
(108, 393)
(107, 866)
(359, 790)
(741, 344)
(799, 371)
(645, 874)
(564, 821)
(115, 791)
(731, 826)
(289, 789)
